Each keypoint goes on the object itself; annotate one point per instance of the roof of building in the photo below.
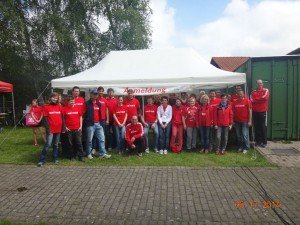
(295, 52)
(229, 63)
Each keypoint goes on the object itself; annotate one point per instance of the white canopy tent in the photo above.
(152, 71)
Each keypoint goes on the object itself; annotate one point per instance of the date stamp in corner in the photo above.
(253, 204)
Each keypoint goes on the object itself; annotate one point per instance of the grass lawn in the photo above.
(18, 149)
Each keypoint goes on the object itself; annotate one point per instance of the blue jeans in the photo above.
(96, 130)
(242, 133)
(204, 135)
(120, 137)
(111, 136)
(51, 139)
(164, 136)
(146, 135)
(103, 124)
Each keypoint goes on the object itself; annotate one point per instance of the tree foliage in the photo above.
(45, 39)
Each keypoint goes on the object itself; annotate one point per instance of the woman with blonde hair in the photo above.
(36, 113)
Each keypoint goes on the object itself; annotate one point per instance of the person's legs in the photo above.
(238, 130)
(34, 136)
(156, 137)
(146, 133)
(218, 138)
(118, 136)
(139, 143)
(264, 127)
(70, 148)
(206, 137)
(122, 138)
(189, 135)
(245, 136)
(224, 137)
(173, 145)
(180, 137)
(213, 139)
(43, 133)
(99, 134)
(89, 138)
(167, 138)
(194, 137)
(48, 143)
(161, 137)
(55, 141)
(257, 128)
(77, 137)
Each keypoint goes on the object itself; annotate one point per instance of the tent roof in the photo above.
(152, 68)
(6, 87)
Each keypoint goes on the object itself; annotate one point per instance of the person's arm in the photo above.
(141, 131)
(107, 115)
(125, 119)
(80, 128)
(230, 117)
(158, 116)
(183, 122)
(116, 119)
(250, 117)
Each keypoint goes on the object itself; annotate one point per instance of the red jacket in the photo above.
(177, 114)
(135, 131)
(259, 99)
(205, 118)
(223, 116)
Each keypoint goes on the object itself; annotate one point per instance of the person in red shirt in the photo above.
(191, 118)
(242, 116)
(120, 114)
(73, 121)
(223, 119)
(79, 101)
(184, 98)
(149, 120)
(259, 99)
(205, 121)
(36, 112)
(111, 103)
(235, 95)
(214, 102)
(178, 124)
(53, 115)
(134, 136)
(104, 109)
(133, 105)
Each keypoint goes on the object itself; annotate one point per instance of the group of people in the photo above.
(103, 123)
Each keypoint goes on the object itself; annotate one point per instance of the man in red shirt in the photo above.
(79, 101)
(178, 124)
(223, 119)
(235, 95)
(133, 105)
(104, 121)
(242, 116)
(134, 135)
(53, 115)
(111, 103)
(191, 118)
(259, 98)
(149, 120)
(73, 121)
(214, 102)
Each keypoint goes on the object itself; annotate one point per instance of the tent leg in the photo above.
(13, 102)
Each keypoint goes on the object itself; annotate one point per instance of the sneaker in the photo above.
(140, 154)
(156, 150)
(240, 149)
(147, 150)
(165, 151)
(245, 151)
(56, 161)
(161, 152)
(105, 156)
(40, 164)
(90, 156)
(222, 152)
(93, 151)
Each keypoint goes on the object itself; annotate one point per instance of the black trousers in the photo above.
(260, 127)
(74, 144)
(139, 144)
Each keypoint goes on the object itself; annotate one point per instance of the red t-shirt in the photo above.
(37, 111)
(103, 102)
(54, 115)
(177, 113)
(72, 117)
(80, 102)
(120, 112)
(111, 103)
(240, 108)
(191, 116)
(215, 102)
(260, 98)
(150, 112)
(133, 106)
(96, 112)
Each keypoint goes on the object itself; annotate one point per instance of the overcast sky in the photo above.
(227, 27)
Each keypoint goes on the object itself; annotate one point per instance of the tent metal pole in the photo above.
(13, 102)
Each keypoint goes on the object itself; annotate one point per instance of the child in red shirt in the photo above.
(36, 112)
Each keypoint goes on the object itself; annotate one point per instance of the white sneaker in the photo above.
(105, 156)
(90, 156)
(156, 150)
(93, 151)
(147, 150)
(240, 149)
(245, 151)
(161, 152)
(165, 151)
(140, 154)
